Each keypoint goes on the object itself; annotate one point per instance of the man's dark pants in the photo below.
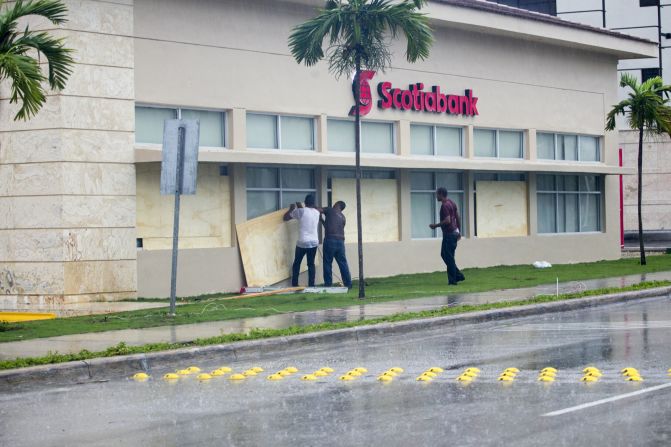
(335, 248)
(447, 251)
(296, 268)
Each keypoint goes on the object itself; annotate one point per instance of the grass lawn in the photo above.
(215, 308)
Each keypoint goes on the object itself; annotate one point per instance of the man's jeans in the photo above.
(447, 250)
(296, 268)
(335, 248)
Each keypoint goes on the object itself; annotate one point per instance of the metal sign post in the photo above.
(179, 168)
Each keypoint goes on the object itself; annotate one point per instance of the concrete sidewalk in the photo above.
(183, 333)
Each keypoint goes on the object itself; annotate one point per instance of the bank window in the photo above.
(569, 203)
(149, 122)
(376, 137)
(287, 132)
(379, 174)
(273, 188)
(425, 209)
(557, 146)
(436, 140)
(498, 143)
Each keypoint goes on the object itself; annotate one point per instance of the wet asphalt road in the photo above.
(364, 411)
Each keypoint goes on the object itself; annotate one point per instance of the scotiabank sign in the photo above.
(414, 98)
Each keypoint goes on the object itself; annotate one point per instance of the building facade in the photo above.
(510, 121)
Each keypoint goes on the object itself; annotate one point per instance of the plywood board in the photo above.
(205, 218)
(379, 208)
(267, 246)
(502, 209)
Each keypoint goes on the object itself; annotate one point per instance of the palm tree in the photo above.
(359, 34)
(646, 109)
(18, 48)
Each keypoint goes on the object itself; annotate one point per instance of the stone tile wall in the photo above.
(67, 176)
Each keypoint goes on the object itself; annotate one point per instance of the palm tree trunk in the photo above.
(640, 194)
(357, 149)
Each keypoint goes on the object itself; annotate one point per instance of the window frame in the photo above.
(279, 189)
(579, 193)
(497, 143)
(278, 131)
(394, 143)
(178, 115)
(434, 140)
(579, 137)
(436, 209)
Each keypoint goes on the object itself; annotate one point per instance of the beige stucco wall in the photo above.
(232, 55)
(67, 176)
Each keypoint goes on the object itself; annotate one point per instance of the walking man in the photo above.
(450, 224)
(308, 237)
(334, 244)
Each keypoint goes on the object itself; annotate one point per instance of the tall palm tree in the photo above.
(17, 54)
(359, 34)
(646, 110)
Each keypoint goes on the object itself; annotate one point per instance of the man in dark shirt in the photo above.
(334, 244)
(450, 224)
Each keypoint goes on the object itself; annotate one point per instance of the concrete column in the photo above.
(322, 185)
(533, 204)
(469, 200)
(469, 150)
(238, 129)
(322, 135)
(403, 138)
(404, 206)
(530, 149)
(67, 176)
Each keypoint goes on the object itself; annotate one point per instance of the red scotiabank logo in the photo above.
(414, 98)
(365, 95)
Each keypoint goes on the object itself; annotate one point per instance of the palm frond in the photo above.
(16, 61)
(361, 30)
(59, 58)
(26, 88)
(618, 109)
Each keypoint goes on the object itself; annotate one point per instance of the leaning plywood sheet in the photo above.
(501, 209)
(267, 246)
(379, 208)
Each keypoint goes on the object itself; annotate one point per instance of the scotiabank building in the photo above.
(507, 113)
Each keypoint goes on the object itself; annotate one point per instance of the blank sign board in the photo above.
(267, 245)
(171, 131)
(502, 209)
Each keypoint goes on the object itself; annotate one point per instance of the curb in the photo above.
(109, 368)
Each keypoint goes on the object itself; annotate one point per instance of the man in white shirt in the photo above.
(308, 237)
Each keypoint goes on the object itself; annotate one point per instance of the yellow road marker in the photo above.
(203, 376)
(171, 376)
(236, 377)
(140, 377)
(397, 369)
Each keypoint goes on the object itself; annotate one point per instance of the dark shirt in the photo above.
(334, 226)
(449, 209)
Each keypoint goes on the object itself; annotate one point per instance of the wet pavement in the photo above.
(75, 309)
(183, 333)
(365, 411)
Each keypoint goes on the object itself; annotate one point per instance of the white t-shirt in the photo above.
(308, 224)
